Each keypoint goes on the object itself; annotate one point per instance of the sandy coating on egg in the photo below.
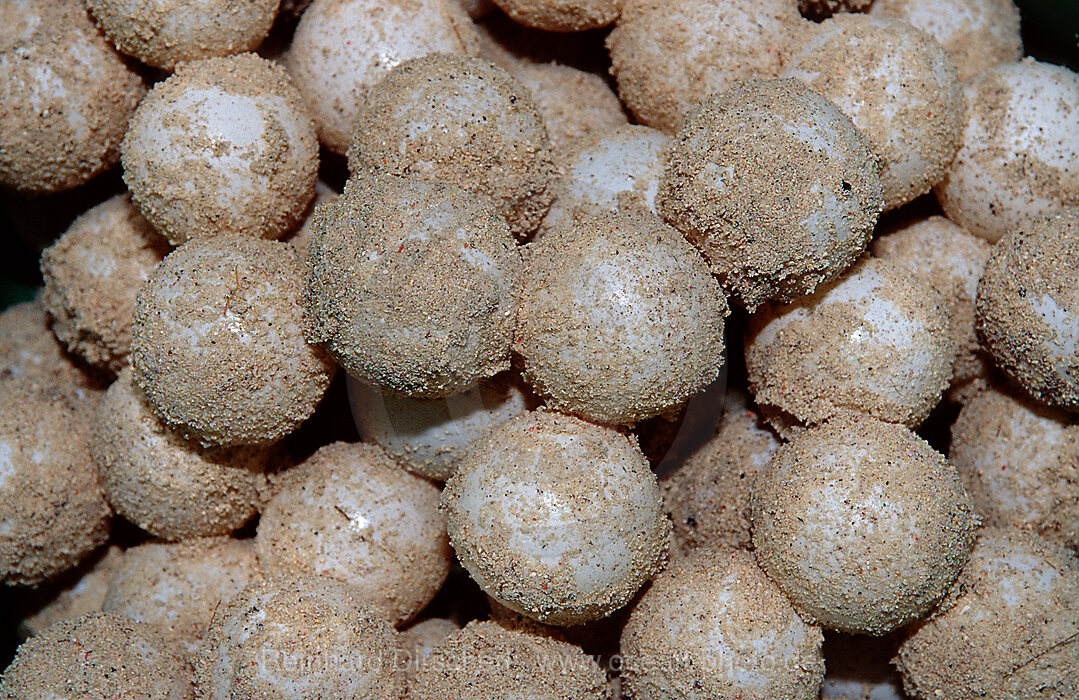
(862, 524)
(92, 274)
(163, 33)
(168, 486)
(1028, 308)
(72, 594)
(573, 103)
(350, 513)
(950, 260)
(619, 319)
(615, 169)
(430, 437)
(1010, 629)
(410, 284)
(561, 15)
(898, 86)
(714, 626)
(875, 341)
(29, 350)
(99, 655)
(775, 186)
(178, 587)
(464, 122)
(977, 34)
(52, 513)
(494, 662)
(1019, 152)
(218, 346)
(666, 56)
(557, 519)
(223, 146)
(1020, 462)
(419, 640)
(343, 47)
(305, 637)
(66, 95)
(708, 496)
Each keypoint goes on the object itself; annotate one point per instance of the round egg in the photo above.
(52, 513)
(65, 93)
(619, 319)
(1019, 151)
(168, 486)
(99, 655)
(977, 34)
(343, 47)
(667, 56)
(163, 33)
(947, 258)
(410, 286)
(350, 513)
(223, 146)
(862, 524)
(611, 170)
(1010, 628)
(708, 495)
(557, 519)
(875, 341)
(419, 640)
(91, 276)
(177, 587)
(898, 86)
(464, 122)
(29, 350)
(218, 346)
(72, 594)
(775, 186)
(430, 437)
(494, 663)
(1020, 461)
(1028, 308)
(304, 637)
(714, 626)
(561, 15)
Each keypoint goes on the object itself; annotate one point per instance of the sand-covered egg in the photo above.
(430, 437)
(1020, 462)
(99, 655)
(977, 34)
(1028, 308)
(950, 260)
(177, 587)
(776, 187)
(619, 319)
(714, 626)
(611, 170)
(66, 96)
(561, 15)
(1019, 151)
(29, 350)
(168, 486)
(898, 86)
(163, 33)
(92, 274)
(410, 286)
(557, 519)
(464, 122)
(52, 513)
(304, 637)
(1009, 629)
(223, 146)
(862, 524)
(875, 341)
(494, 662)
(74, 593)
(343, 47)
(352, 514)
(667, 56)
(218, 346)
